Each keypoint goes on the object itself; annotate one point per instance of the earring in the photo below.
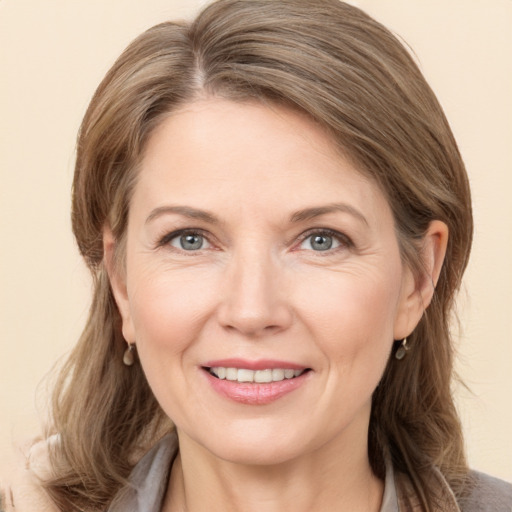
(129, 355)
(402, 350)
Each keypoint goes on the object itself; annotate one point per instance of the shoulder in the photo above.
(486, 493)
(21, 489)
(481, 493)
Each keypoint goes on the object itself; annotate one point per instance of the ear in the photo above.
(117, 280)
(417, 290)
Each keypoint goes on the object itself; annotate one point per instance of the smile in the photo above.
(258, 376)
(255, 382)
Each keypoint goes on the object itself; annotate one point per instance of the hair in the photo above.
(351, 75)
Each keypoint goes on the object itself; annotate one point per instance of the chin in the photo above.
(255, 454)
(258, 444)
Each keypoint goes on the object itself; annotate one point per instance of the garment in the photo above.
(149, 480)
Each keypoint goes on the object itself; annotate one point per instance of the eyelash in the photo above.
(344, 241)
(166, 239)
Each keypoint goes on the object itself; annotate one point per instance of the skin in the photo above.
(258, 288)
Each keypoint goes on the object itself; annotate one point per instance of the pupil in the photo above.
(191, 242)
(321, 243)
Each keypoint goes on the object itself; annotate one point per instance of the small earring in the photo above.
(129, 355)
(402, 350)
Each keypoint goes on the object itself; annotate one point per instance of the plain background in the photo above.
(52, 56)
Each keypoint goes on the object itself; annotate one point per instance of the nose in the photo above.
(254, 301)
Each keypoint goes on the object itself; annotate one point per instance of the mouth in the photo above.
(255, 382)
(246, 375)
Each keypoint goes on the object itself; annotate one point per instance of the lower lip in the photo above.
(252, 393)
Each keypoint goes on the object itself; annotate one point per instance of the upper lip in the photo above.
(259, 364)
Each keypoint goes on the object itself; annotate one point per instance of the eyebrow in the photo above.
(298, 216)
(185, 211)
(317, 211)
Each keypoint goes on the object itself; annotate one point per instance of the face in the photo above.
(263, 284)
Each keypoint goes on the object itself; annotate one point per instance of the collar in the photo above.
(149, 478)
(407, 498)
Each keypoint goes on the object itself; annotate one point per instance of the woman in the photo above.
(277, 219)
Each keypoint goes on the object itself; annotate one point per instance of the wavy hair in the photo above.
(347, 72)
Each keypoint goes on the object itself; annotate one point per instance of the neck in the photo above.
(315, 481)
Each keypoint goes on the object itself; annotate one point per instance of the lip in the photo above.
(259, 364)
(251, 393)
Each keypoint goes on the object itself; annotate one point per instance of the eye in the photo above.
(321, 241)
(189, 241)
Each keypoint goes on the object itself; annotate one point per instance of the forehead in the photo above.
(219, 154)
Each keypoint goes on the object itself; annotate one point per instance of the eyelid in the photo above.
(165, 240)
(344, 239)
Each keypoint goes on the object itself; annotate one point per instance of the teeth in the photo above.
(263, 376)
(231, 374)
(277, 374)
(259, 376)
(245, 376)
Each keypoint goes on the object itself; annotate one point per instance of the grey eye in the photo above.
(321, 242)
(189, 242)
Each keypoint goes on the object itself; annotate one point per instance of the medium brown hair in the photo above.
(350, 74)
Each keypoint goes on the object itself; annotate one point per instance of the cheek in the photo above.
(168, 311)
(168, 307)
(353, 313)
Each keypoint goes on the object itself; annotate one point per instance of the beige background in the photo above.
(52, 56)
